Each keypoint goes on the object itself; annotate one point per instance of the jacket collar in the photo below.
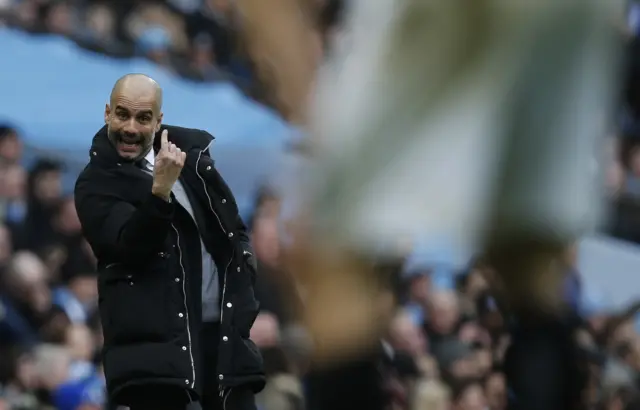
(102, 151)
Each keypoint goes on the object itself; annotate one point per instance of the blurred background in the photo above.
(58, 62)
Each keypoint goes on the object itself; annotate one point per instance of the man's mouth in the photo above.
(129, 146)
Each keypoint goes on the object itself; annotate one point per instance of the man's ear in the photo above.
(107, 113)
(159, 124)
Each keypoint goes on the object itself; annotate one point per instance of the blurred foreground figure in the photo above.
(473, 120)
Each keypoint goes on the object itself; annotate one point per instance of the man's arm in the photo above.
(116, 229)
(285, 48)
(247, 249)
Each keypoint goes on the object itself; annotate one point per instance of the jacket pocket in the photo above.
(134, 307)
(247, 360)
(246, 354)
(245, 312)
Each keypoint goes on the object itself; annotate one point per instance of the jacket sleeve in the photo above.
(247, 249)
(116, 229)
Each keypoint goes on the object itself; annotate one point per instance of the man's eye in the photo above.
(145, 119)
(122, 115)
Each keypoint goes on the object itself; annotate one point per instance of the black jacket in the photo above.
(150, 276)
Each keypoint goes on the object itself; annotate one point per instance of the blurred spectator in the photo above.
(6, 247)
(25, 299)
(79, 295)
(54, 327)
(154, 42)
(468, 395)
(80, 344)
(13, 195)
(406, 336)
(496, 391)
(456, 360)
(18, 379)
(284, 389)
(432, 395)
(471, 285)
(26, 15)
(10, 145)
(203, 60)
(418, 283)
(44, 189)
(266, 331)
(60, 18)
(101, 24)
(489, 316)
(275, 288)
(153, 25)
(52, 364)
(83, 394)
(443, 317)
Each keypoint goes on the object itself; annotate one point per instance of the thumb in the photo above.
(164, 141)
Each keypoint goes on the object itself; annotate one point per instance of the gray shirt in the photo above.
(210, 284)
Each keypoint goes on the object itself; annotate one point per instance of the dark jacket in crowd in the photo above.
(149, 264)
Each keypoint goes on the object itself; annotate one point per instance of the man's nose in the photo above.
(130, 127)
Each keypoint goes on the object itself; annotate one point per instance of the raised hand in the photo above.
(167, 168)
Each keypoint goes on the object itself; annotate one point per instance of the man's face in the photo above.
(132, 120)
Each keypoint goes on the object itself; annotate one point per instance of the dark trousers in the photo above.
(209, 338)
(174, 398)
(157, 397)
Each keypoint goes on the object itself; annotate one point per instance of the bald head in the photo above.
(444, 311)
(134, 115)
(26, 268)
(137, 84)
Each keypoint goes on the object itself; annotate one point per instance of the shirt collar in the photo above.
(150, 157)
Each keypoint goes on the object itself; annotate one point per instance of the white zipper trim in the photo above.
(224, 278)
(226, 397)
(224, 286)
(204, 184)
(186, 308)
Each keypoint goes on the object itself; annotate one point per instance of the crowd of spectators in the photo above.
(445, 346)
(195, 39)
(49, 333)
(191, 38)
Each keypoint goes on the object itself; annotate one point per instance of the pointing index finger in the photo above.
(164, 142)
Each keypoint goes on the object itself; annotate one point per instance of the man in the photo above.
(176, 270)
